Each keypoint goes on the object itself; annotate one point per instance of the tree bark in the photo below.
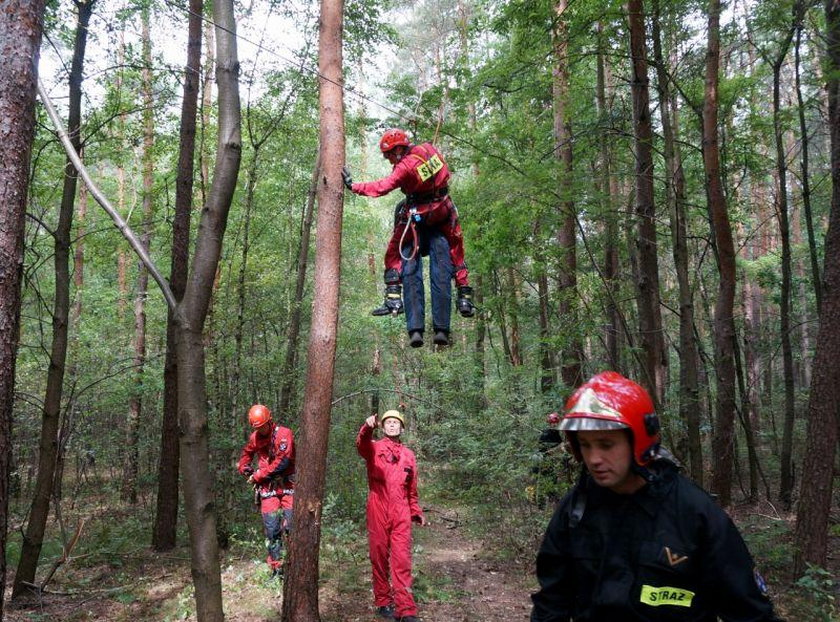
(724, 325)
(572, 351)
(650, 315)
(21, 27)
(813, 509)
(48, 446)
(675, 199)
(300, 591)
(192, 390)
(782, 213)
(166, 516)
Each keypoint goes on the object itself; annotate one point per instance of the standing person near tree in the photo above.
(635, 539)
(272, 445)
(421, 173)
(392, 506)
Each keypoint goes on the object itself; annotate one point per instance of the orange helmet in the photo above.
(393, 138)
(259, 415)
(609, 401)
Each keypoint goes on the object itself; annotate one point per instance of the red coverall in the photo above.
(427, 192)
(392, 505)
(275, 455)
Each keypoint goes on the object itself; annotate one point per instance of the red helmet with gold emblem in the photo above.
(609, 401)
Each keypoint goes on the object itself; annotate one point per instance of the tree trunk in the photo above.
(675, 199)
(611, 267)
(21, 26)
(572, 363)
(724, 325)
(650, 316)
(192, 390)
(813, 510)
(131, 466)
(290, 364)
(786, 458)
(300, 591)
(48, 447)
(166, 517)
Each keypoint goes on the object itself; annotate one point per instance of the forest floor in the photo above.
(458, 578)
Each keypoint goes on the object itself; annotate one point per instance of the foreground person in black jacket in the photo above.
(635, 540)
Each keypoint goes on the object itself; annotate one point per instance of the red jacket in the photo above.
(275, 455)
(392, 477)
(421, 171)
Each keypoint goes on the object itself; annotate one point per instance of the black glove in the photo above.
(348, 180)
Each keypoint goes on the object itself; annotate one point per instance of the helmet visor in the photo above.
(590, 424)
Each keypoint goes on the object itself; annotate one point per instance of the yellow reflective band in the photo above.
(429, 168)
(655, 596)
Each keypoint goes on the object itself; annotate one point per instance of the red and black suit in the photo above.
(274, 480)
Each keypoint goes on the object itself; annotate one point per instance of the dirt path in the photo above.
(456, 580)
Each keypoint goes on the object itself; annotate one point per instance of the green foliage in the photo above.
(815, 594)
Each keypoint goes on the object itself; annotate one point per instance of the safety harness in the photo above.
(428, 168)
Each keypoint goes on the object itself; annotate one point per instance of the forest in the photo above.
(645, 186)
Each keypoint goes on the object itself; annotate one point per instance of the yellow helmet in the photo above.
(392, 414)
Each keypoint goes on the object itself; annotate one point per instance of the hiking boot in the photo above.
(393, 304)
(386, 613)
(277, 573)
(441, 338)
(415, 339)
(465, 306)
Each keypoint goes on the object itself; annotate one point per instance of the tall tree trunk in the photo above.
(572, 352)
(21, 26)
(675, 199)
(650, 316)
(546, 359)
(786, 478)
(724, 325)
(131, 467)
(813, 509)
(166, 516)
(300, 591)
(611, 267)
(192, 389)
(290, 364)
(48, 448)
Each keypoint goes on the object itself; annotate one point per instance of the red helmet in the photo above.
(259, 415)
(552, 419)
(393, 138)
(609, 401)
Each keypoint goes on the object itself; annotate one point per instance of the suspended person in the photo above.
(271, 446)
(421, 173)
(635, 539)
(392, 506)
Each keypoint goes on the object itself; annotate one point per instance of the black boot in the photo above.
(465, 306)
(441, 338)
(393, 304)
(415, 339)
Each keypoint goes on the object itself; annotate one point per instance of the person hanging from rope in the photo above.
(273, 479)
(421, 173)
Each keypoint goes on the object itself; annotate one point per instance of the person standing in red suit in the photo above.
(422, 174)
(272, 446)
(392, 506)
